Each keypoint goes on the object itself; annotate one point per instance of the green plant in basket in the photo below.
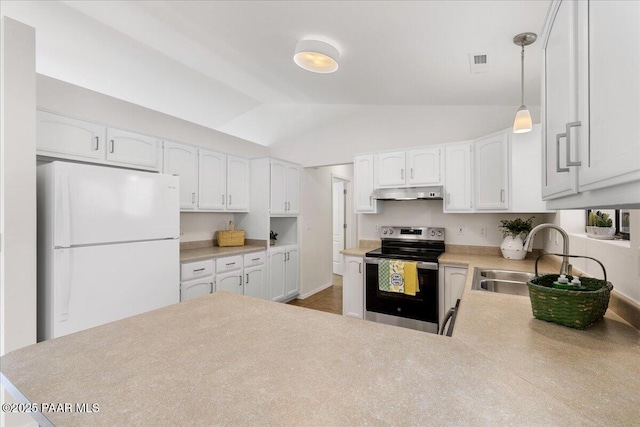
(516, 227)
(599, 219)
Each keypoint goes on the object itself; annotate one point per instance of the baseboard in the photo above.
(315, 291)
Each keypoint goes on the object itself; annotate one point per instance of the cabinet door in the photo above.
(363, 185)
(423, 166)
(559, 106)
(132, 149)
(458, 172)
(291, 270)
(353, 288)
(212, 180)
(390, 170)
(60, 136)
(195, 288)
(182, 160)
(277, 197)
(277, 275)
(230, 282)
(237, 184)
(254, 279)
(455, 279)
(491, 172)
(293, 189)
(612, 151)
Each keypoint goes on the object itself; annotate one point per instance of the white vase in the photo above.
(512, 248)
(601, 233)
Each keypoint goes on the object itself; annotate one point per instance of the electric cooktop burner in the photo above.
(424, 244)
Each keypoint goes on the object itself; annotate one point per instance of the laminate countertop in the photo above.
(199, 254)
(226, 359)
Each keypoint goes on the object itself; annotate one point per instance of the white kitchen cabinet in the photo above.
(458, 182)
(230, 282)
(363, 173)
(212, 180)
(237, 184)
(283, 272)
(353, 287)
(390, 170)
(254, 280)
(453, 279)
(182, 160)
(63, 137)
(195, 288)
(591, 104)
(284, 188)
(132, 149)
(491, 172)
(292, 264)
(423, 167)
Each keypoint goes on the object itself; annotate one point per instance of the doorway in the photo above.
(343, 228)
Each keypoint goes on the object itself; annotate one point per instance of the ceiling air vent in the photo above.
(479, 62)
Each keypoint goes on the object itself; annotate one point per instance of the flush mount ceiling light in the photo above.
(316, 56)
(522, 122)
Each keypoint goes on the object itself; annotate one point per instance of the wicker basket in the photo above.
(230, 237)
(575, 309)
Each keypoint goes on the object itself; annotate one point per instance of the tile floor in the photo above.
(329, 300)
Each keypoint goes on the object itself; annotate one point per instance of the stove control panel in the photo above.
(412, 233)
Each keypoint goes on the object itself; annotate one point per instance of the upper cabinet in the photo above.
(491, 172)
(591, 104)
(458, 195)
(182, 160)
(363, 185)
(67, 138)
(285, 188)
(237, 184)
(212, 177)
(408, 168)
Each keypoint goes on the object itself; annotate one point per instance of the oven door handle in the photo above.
(420, 265)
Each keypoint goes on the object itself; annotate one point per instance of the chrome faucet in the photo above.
(565, 268)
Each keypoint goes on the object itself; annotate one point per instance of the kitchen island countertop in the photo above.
(223, 364)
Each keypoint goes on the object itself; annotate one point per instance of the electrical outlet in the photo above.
(483, 231)
(181, 233)
(460, 229)
(377, 227)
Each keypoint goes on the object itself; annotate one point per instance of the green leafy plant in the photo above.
(516, 227)
(599, 219)
(273, 236)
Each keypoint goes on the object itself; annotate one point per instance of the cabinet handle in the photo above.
(222, 202)
(240, 278)
(359, 268)
(568, 133)
(411, 173)
(97, 143)
(448, 197)
(193, 197)
(247, 278)
(502, 195)
(401, 173)
(231, 263)
(558, 168)
(197, 270)
(113, 145)
(229, 199)
(255, 259)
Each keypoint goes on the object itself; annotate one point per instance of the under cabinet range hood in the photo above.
(411, 193)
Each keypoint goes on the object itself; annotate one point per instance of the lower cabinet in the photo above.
(255, 275)
(230, 282)
(195, 288)
(283, 272)
(353, 287)
(197, 279)
(453, 279)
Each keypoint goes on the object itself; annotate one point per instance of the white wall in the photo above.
(17, 194)
(621, 259)
(429, 213)
(316, 216)
(348, 130)
(202, 226)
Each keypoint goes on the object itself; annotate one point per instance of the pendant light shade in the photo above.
(522, 123)
(316, 56)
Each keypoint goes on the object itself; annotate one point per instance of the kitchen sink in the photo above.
(502, 281)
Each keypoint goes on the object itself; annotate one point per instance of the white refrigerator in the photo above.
(108, 245)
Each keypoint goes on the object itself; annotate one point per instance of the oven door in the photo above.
(423, 306)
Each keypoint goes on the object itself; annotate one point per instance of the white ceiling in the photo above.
(393, 53)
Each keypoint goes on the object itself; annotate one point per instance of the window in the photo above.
(620, 220)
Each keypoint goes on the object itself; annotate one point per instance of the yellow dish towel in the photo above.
(411, 278)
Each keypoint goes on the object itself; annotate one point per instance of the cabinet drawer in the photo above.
(256, 258)
(193, 270)
(228, 264)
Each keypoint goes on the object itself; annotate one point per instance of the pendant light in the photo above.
(522, 122)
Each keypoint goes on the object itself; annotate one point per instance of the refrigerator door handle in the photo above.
(63, 216)
(63, 283)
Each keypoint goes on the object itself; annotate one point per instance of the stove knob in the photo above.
(433, 233)
(384, 231)
(439, 233)
(390, 231)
